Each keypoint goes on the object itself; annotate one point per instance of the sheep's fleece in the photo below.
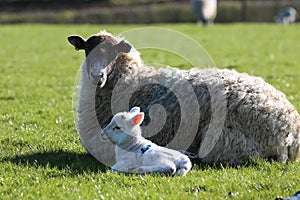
(252, 118)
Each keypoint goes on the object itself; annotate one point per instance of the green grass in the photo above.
(42, 158)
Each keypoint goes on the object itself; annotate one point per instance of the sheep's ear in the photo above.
(124, 47)
(77, 41)
(137, 119)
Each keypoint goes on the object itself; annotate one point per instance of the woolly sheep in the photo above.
(135, 154)
(205, 10)
(287, 16)
(259, 121)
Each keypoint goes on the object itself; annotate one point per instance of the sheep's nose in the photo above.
(101, 77)
(97, 76)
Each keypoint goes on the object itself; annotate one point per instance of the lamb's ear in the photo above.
(135, 110)
(137, 119)
(77, 41)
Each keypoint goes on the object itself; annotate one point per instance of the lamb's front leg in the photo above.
(122, 166)
(185, 166)
(156, 169)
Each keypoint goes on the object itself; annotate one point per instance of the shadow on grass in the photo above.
(249, 163)
(62, 160)
(79, 163)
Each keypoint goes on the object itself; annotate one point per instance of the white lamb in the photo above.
(135, 154)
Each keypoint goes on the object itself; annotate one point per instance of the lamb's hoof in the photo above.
(182, 172)
(168, 171)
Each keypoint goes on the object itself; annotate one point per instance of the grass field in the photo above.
(42, 158)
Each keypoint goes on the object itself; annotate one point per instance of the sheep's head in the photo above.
(101, 50)
(124, 125)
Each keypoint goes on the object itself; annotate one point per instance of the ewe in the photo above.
(258, 120)
(135, 154)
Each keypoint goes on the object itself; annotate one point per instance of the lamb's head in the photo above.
(124, 126)
(102, 51)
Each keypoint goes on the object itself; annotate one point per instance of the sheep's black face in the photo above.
(101, 54)
(91, 43)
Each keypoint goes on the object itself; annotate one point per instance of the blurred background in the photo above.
(136, 11)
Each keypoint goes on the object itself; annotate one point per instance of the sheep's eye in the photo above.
(101, 39)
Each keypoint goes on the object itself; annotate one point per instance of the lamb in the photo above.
(135, 154)
(229, 116)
